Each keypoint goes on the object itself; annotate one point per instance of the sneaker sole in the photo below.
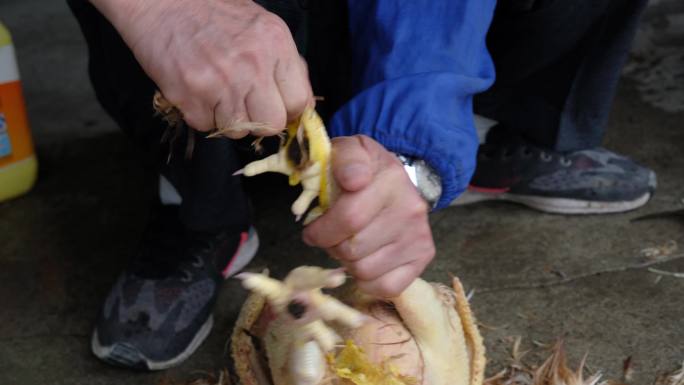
(554, 205)
(122, 354)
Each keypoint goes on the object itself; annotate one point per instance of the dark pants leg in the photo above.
(558, 63)
(212, 198)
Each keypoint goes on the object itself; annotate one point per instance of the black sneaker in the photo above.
(160, 309)
(581, 182)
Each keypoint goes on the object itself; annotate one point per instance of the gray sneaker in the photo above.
(160, 308)
(591, 181)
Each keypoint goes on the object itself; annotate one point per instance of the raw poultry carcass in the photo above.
(290, 332)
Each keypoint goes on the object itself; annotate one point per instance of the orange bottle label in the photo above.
(15, 136)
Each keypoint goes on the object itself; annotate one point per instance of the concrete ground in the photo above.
(535, 275)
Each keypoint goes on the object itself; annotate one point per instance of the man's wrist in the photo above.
(424, 177)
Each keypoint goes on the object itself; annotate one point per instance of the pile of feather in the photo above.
(552, 371)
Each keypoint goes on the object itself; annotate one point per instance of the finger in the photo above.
(230, 119)
(292, 80)
(377, 234)
(195, 94)
(352, 164)
(194, 112)
(351, 213)
(265, 105)
(379, 263)
(391, 284)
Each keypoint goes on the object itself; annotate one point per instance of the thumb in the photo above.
(352, 164)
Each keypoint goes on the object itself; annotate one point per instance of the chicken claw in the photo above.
(299, 298)
(304, 156)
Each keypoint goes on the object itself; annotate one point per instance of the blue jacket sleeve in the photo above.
(416, 65)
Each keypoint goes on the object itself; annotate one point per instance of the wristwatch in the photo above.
(424, 177)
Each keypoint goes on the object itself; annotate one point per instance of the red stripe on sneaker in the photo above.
(243, 238)
(489, 190)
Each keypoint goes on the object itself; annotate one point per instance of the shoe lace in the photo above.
(565, 161)
(526, 152)
(196, 244)
(562, 159)
(185, 267)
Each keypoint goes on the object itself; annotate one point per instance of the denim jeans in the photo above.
(558, 63)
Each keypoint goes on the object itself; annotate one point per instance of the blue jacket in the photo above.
(416, 66)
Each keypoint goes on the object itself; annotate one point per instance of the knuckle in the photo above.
(198, 80)
(351, 220)
(297, 103)
(424, 235)
(278, 122)
(309, 235)
(275, 27)
(173, 98)
(423, 250)
(357, 272)
(196, 119)
(361, 271)
(344, 252)
(334, 253)
(417, 206)
(273, 120)
(249, 62)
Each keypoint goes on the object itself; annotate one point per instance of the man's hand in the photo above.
(220, 62)
(378, 226)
